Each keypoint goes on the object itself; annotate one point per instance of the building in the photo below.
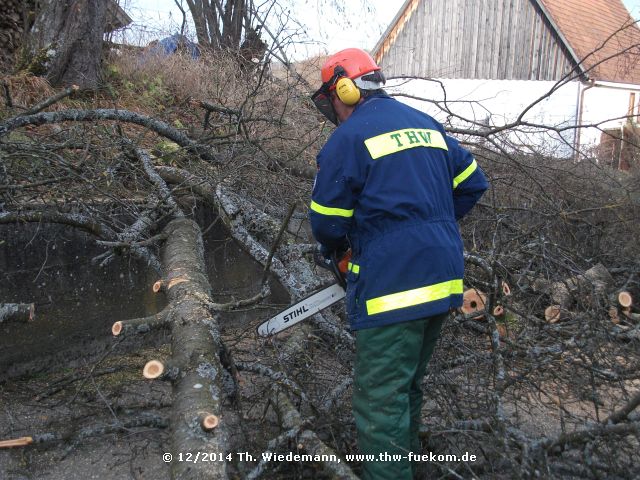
(545, 62)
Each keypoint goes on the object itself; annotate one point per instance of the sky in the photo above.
(329, 25)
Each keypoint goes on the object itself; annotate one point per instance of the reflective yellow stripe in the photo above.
(414, 297)
(340, 212)
(354, 268)
(399, 140)
(465, 174)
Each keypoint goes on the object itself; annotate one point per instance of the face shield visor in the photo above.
(322, 100)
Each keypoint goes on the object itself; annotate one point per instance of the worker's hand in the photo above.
(322, 256)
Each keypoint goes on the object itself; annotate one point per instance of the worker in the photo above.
(390, 186)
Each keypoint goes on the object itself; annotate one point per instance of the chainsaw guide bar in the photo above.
(306, 307)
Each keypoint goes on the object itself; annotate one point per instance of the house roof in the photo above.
(595, 32)
(116, 17)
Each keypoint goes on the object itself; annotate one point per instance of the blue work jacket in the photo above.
(392, 183)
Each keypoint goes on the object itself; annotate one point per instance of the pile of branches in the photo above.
(531, 243)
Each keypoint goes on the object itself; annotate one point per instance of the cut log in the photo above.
(16, 442)
(498, 311)
(506, 290)
(473, 301)
(158, 286)
(158, 370)
(140, 325)
(17, 312)
(553, 313)
(208, 421)
(597, 279)
(153, 369)
(625, 300)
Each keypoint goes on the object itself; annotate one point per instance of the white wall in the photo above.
(474, 103)
(604, 104)
(500, 102)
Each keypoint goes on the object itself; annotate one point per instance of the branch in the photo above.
(73, 115)
(51, 100)
(125, 328)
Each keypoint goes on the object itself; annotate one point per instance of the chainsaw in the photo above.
(316, 301)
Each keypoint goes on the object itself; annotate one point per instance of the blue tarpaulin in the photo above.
(169, 46)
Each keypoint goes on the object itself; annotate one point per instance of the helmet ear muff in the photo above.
(347, 91)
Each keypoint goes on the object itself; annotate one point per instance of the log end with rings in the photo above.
(209, 421)
(473, 300)
(625, 299)
(116, 329)
(153, 369)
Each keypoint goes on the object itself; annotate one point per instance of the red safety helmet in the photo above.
(347, 72)
(355, 63)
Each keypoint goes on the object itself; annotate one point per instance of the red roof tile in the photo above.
(597, 31)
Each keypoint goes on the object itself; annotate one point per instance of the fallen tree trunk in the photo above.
(195, 364)
(17, 312)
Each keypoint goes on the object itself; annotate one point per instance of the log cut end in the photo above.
(209, 421)
(116, 329)
(473, 300)
(153, 369)
(625, 299)
(552, 313)
(498, 311)
(177, 281)
(157, 286)
(506, 289)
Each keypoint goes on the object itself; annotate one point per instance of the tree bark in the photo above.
(195, 353)
(67, 35)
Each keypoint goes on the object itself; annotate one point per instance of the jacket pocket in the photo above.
(354, 283)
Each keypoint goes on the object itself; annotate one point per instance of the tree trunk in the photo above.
(197, 389)
(66, 39)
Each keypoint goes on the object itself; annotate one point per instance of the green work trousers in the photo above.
(387, 398)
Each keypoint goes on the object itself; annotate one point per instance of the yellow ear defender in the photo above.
(347, 91)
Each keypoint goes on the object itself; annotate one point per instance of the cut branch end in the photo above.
(552, 313)
(209, 421)
(116, 329)
(153, 369)
(625, 299)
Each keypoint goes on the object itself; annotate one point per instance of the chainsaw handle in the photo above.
(336, 263)
(337, 266)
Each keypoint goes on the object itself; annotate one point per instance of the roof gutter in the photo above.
(580, 109)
